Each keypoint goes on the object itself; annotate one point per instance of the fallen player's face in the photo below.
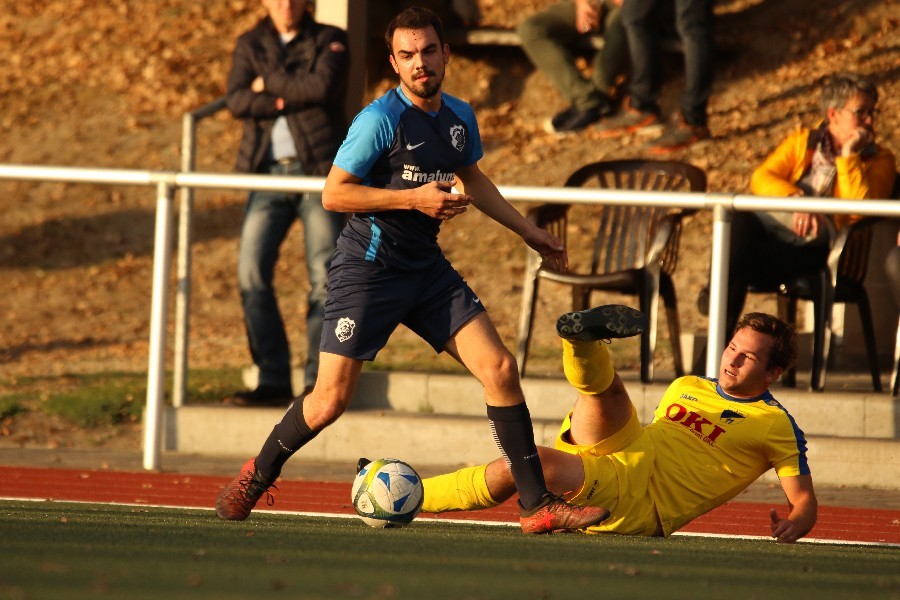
(743, 372)
(419, 60)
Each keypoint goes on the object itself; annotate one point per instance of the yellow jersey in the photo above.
(701, 449)
(710, 446)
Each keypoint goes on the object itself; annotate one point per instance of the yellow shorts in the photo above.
(617, 477)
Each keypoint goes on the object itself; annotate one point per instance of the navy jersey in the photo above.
(393, 144)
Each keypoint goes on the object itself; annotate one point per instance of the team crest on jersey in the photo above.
(458, 137)
(732, 417)
(344, 329)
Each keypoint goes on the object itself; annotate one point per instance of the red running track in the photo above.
(199, 491)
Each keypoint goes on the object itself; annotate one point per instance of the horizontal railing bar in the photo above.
(83, 175)
(571, 195)
(208, 109)
(238, 181)
(746, 202)
(556, 195)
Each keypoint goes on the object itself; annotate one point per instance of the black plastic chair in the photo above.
(635, 248)
(839, 281)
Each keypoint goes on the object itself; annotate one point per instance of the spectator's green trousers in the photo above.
(552, 42)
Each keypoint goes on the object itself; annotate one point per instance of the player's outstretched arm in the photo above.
(803, 508)
(488, 199)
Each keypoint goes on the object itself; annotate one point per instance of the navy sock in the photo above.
(288, 436)
(514, 435)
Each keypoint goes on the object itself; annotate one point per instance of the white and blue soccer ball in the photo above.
(387, 493)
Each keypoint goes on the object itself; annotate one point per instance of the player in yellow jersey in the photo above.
(709, 438)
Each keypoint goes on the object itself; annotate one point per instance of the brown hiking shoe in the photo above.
(241, 495)
(630, 120)
(555, 515)
(678, 135)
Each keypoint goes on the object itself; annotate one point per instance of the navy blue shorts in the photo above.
(366, 302)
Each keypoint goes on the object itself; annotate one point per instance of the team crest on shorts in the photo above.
(344, 329)
(458, 137)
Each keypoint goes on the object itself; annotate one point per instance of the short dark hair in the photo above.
(414, 17)
(784, 339)
(840, 87)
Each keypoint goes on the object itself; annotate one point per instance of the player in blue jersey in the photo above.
(395, 173)
(709, 438)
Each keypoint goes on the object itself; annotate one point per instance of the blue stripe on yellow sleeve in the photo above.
(800, 437)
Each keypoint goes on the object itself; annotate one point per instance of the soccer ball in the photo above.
(387, 493)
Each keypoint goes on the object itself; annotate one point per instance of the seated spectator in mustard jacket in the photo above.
(838, 158)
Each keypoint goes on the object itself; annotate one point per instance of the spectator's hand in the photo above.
(587, 15)
(858, 140)
(783, 530)
(806, 224)
(258, 85)
(436, 200)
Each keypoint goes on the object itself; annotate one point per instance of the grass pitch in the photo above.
(67, 550)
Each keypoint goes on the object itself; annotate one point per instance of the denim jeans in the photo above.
(694, 23)
(267, 218)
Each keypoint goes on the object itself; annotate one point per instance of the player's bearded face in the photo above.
(420, 60)
(425, 82)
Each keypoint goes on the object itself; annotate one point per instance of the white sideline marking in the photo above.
(808, 540)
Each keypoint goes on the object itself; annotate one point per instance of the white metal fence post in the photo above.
(156, 369)
(718, 287)
(183, 296)
(185, 217)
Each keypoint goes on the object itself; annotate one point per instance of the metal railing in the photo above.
(165, 182)
(183, 298)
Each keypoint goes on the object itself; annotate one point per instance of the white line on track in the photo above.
(809, 540)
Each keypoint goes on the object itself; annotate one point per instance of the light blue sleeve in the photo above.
(371, 135)
(474, 151)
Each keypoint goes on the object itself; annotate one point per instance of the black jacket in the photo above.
(310, 74)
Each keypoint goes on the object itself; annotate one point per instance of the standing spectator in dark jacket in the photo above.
(288, 84)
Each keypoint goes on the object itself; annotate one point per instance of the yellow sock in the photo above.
(587, 366)
(465, 489)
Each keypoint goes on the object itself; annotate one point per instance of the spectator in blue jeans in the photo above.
(288, 83)
(694, 24)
